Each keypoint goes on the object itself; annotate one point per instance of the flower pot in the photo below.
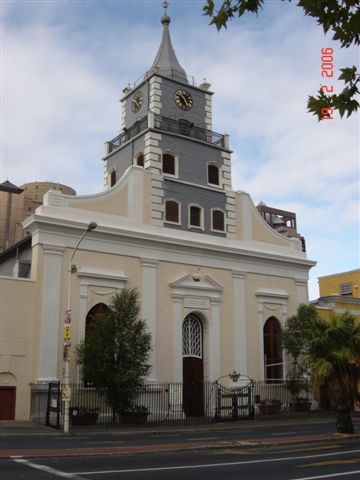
(84, 419)
(133, 418)
(300, 406)
(269, 409)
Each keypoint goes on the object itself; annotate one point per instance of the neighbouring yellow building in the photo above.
(339, 292)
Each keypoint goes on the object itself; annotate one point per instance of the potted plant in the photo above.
(83, 415)
(296, 384)
(301, 404)
(268, 407)
(137, 414)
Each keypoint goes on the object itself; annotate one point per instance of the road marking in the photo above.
(328, 475)
(223, 464)
(44, 468)
(101, 442)
(203, 438)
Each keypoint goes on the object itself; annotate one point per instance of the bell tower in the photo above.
(167, 129)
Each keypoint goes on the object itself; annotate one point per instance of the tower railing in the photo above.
(180, 127)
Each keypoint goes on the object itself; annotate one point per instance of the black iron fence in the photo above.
(169, 404)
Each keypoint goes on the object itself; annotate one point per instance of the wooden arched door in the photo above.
(193, 366)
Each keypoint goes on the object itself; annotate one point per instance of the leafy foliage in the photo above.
(115, 351)
(330, 350)
(342, 17)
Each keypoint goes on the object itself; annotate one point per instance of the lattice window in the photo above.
(192, 337)
(195, 216)
(346, 289)
(213, 174)
(171, 211)
(168, 164)
(218, 220)
(273, 350)
(112, 178)
(140, 160)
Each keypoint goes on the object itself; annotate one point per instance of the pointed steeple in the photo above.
(165, 62)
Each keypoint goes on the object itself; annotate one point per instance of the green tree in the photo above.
(330, 350)
(341, 17)
(116, 350)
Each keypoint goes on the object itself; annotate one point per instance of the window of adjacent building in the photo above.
(168, 164)
(172, 211)
(140, 160)
(195, 216)
(112, 178)
(273, 355)
(346, 289)
(213, 174)
(218, 222)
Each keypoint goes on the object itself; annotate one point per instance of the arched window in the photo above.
(112, 178)
(273, 356)
(195, 216)
(172, 211)
(140, 160)
(98, 309)
(168, 164)
(213, 174)
(218, 222)
(192, 336)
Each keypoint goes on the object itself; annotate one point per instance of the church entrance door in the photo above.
(193, 367)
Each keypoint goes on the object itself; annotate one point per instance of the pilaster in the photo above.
(240, 340)
(214, 340)
(177, 321)
(50, 315)
(149, 305)
(302, 291)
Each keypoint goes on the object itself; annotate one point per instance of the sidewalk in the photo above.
(26, 428)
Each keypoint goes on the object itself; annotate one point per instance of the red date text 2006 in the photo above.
(327, 71)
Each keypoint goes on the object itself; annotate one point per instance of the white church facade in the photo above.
(205, 261)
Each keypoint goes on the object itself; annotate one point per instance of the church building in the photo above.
(217, 280)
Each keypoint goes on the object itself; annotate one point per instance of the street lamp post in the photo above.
(67, 332)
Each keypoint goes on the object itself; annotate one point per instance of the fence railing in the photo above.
(167, 404)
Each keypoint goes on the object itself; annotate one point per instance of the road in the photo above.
(305, 462)
(292, 450)
(249, 431)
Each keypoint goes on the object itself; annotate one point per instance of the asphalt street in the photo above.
(271, 432)
(283, 449)
(308, 462)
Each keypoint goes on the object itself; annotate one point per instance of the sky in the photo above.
(64, 65)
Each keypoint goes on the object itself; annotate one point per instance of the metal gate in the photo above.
(234, 403)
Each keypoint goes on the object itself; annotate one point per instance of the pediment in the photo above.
(197, 282)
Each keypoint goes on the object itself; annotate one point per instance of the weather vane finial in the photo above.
(165, 6)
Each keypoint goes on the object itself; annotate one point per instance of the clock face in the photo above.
(137, 101)
(183, 99)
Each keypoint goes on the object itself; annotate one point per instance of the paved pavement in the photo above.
(18, 428)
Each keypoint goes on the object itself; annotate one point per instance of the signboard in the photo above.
(67, 334)
(196, 303)
(66, 394)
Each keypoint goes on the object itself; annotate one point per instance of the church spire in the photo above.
(165, 62)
